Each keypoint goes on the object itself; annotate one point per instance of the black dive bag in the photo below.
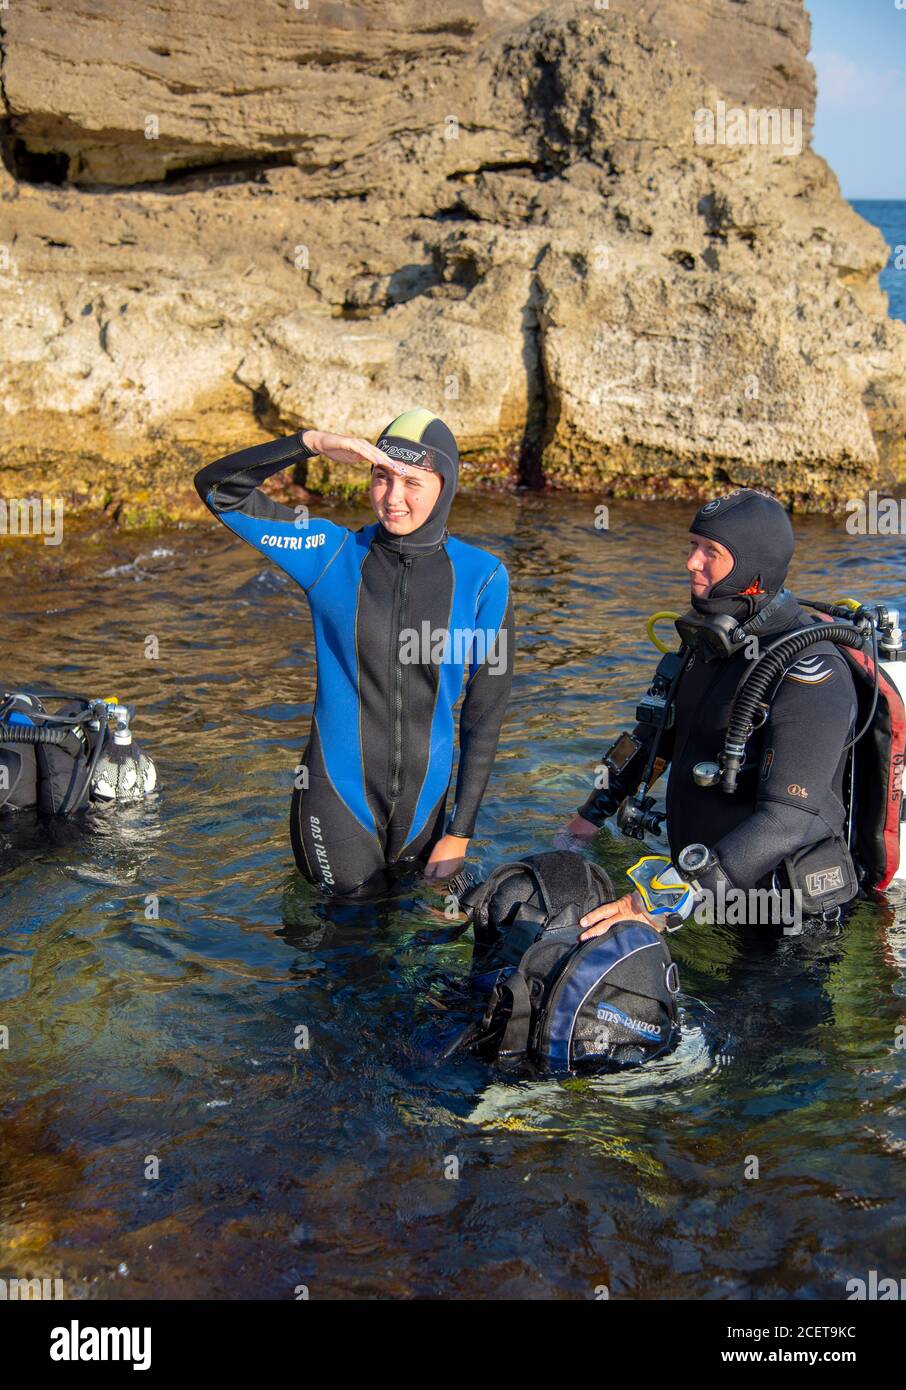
(551, 999)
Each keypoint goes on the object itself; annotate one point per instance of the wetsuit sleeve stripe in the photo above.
(486, 699)
(301, 545)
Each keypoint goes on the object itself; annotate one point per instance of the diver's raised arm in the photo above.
(229, 482)
(300, 544)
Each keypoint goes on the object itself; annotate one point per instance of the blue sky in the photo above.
(859, 53)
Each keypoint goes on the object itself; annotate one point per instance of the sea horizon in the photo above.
(889, 216)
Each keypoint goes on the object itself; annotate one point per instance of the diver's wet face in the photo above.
(403, 502)
(709, 562)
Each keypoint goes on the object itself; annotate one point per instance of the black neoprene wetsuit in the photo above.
(791, 791)
(382, 739)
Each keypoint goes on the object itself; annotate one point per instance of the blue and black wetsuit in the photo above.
(380, 751)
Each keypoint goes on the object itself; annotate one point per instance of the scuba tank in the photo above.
(57, 763)
(124, 772)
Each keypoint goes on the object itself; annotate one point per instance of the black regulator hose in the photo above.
(759, 678)
(860, 613)
(35, 733)
(874, 698)
(73, 800)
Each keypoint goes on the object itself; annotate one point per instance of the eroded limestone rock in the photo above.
(495, 210)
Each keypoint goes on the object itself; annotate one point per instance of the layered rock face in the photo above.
(572, 230)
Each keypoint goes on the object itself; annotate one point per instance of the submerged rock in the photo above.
(595, 240)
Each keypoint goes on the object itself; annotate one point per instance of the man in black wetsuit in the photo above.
(791, 790)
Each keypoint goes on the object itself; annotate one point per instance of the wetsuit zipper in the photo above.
(398, 682)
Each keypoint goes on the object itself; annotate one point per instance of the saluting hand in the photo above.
(347, 448)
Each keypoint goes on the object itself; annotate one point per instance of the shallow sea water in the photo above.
(132, 1038)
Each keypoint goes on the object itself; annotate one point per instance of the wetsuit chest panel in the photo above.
(704, 698)
(385, 725)
(478, 612)
(796, 758)
(403, 615)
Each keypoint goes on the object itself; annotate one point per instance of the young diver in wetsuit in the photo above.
(791, 791)
(380, 750)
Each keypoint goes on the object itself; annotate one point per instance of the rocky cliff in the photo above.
(575, 230)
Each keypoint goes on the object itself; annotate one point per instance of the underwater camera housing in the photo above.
(637, 818)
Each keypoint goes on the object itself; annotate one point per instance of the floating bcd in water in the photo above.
(555, 1000)
(19, 760)
(11, 777)
(58, 762)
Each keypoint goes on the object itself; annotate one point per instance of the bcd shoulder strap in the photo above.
(514, 1042)
(476, 899)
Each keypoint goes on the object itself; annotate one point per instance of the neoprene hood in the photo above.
(757, 532)
(421, 440)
